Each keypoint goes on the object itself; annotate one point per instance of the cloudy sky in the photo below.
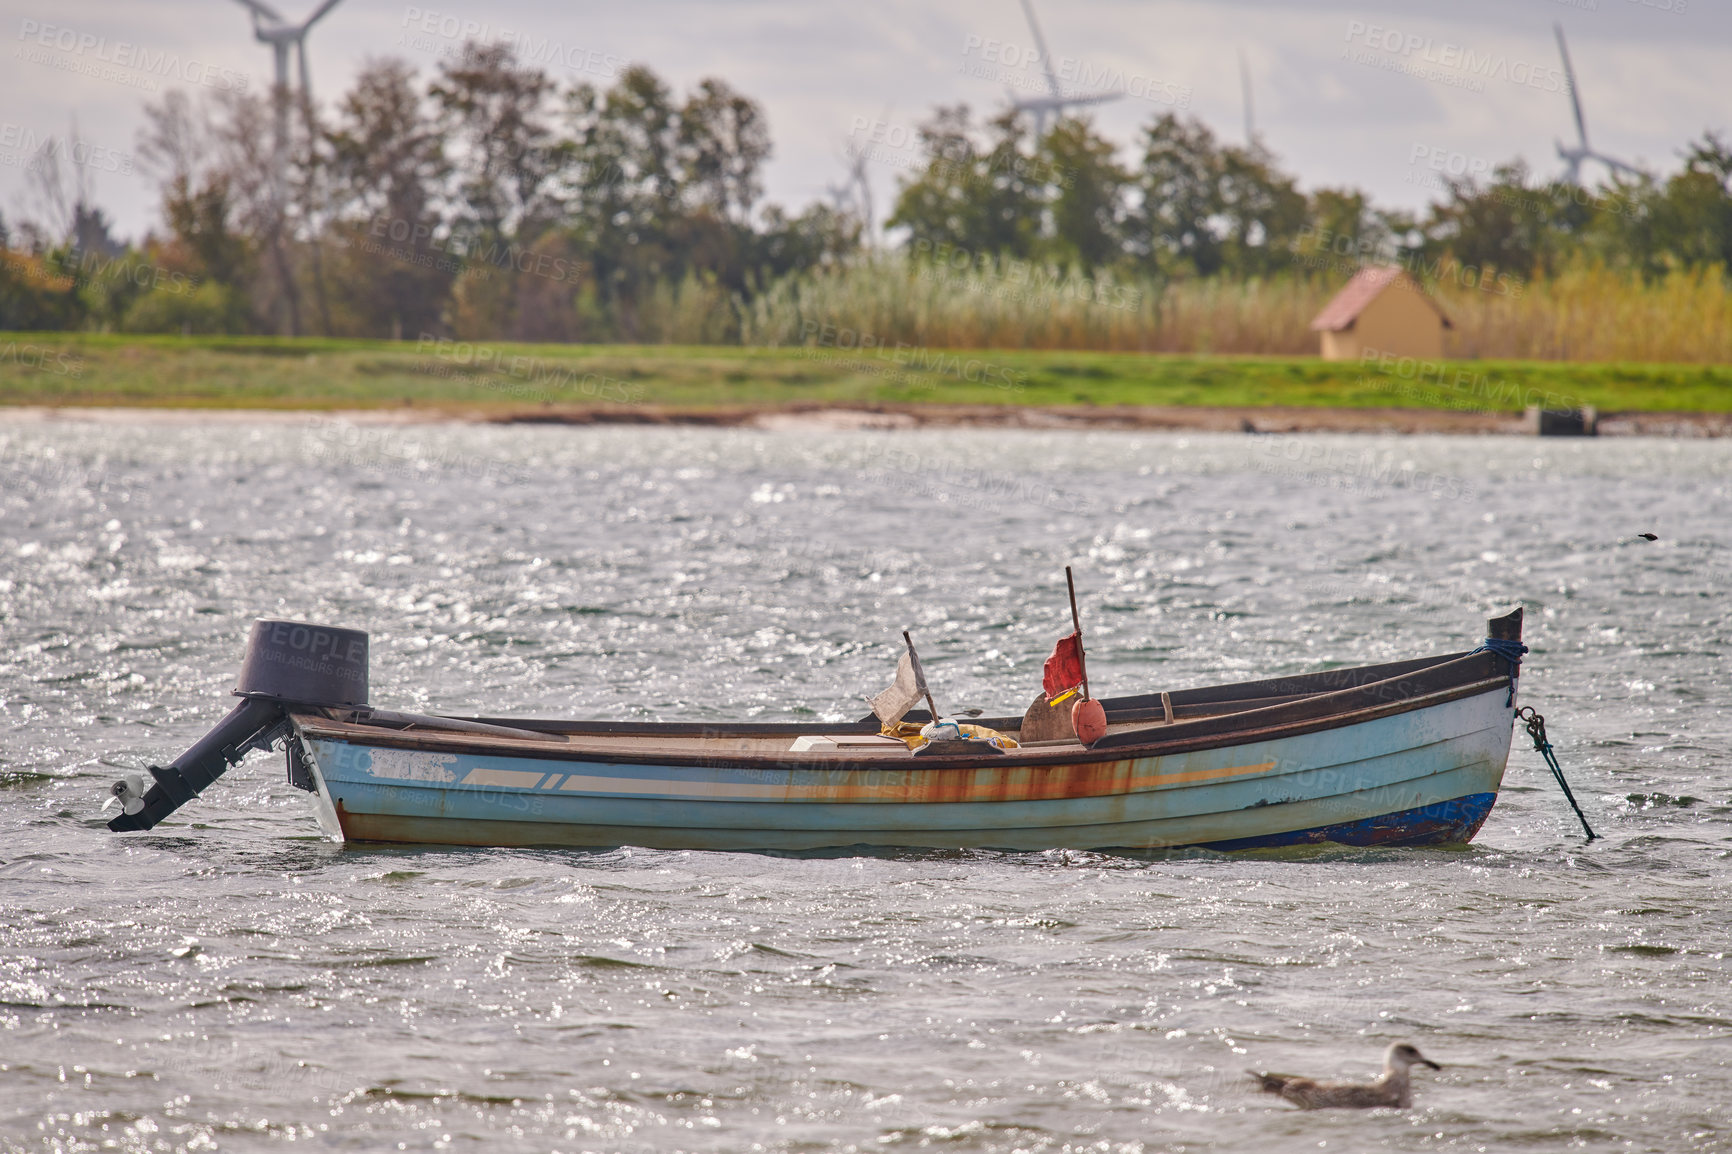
(1376, 95)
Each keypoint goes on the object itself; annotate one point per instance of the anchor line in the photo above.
(1536, 726)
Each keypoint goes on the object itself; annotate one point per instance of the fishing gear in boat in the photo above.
(941, 734)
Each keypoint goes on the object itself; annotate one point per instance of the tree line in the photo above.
(1192, 206)
(487, 200)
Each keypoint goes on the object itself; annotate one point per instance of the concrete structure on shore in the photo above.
(1381, 310)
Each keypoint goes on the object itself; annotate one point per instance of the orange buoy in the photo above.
(1089, 720)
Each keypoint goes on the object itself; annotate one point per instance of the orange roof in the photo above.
(1367, 283)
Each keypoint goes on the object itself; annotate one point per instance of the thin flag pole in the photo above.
(915, 657)
(1076, 623)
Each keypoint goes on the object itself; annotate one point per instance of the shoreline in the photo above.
(891, 417)
(753, 386)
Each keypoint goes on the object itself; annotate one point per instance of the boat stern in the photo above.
(305, 774)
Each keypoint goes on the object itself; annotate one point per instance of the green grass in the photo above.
(64, 369)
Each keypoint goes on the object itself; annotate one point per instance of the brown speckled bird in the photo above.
(1392, 1088)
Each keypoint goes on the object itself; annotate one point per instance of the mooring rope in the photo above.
(1510, 651)
(1537, 730)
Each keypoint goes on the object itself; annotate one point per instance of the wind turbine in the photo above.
(1245, 92)
(1057, 101)
(855, 192)
(1573, 157)
(270, 28)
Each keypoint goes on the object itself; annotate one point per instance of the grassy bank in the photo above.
(311, 373)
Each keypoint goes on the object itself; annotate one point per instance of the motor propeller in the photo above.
(129, 792)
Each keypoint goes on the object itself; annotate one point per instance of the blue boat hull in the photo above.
(1427, 775)
(1443, 823)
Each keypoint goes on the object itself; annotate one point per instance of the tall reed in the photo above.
(1593, 313)
(1587, 313)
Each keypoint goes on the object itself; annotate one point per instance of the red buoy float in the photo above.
(1089, 720)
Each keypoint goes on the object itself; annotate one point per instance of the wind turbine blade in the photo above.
(1245, 90)
(1575, 96)
(306, 80)
(1040, 46)
(318, 14)
(257, 8)
(1616, 165)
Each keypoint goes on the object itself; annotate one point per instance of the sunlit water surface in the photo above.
(232, 982)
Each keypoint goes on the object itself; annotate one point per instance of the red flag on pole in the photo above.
(1064, 669)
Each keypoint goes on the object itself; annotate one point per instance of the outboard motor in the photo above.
(288, 663)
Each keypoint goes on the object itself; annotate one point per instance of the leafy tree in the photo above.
(661, 193)
(1493, 226)
(212, 239)
(723, 143)
(1175, 226)
(819, 237)
(1345, 225)
(1260, 210)
(1087, 196)
(34, 294)
(1207, 209)
(388, 175)
(625, 178)
(983, 198)
(1693, 216)
(494, 111)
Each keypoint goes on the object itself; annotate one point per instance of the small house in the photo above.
(1383, 310)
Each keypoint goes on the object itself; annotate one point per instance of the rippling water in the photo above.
(230, 981)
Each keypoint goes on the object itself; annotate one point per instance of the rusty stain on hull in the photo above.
(1027, 783)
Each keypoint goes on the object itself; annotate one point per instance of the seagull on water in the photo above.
(1392, 1088)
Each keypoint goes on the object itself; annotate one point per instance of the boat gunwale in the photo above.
(1311, 713)
(1118, 709)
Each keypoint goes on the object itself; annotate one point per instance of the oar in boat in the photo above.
(902, 693)
(920, 674)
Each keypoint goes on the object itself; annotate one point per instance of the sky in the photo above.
(1387, 97)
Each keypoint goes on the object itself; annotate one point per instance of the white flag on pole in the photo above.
(904, 693)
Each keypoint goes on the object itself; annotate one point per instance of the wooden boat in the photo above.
(1401, 753)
